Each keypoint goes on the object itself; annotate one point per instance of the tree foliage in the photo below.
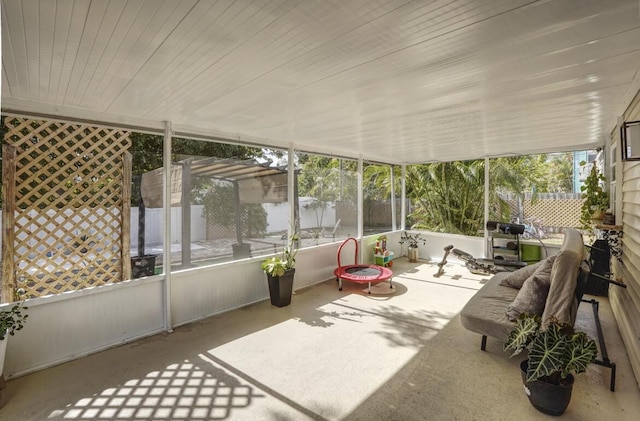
(449, 196)
(219, 208)
(327, 180)
(377, 182)
(319, 178)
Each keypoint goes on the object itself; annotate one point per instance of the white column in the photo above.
(393, 198)
(486, 206)
(291, 189)
(403, 198)
(166, 215)
(360, 200)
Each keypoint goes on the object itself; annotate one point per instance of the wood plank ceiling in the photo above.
(391, 80)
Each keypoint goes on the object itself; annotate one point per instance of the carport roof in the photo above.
(234, 170)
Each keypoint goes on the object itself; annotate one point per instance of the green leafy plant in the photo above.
(274, 266)
(554, 352)
(596, 200)
(412, 239)
(12, 320)
(278, 265)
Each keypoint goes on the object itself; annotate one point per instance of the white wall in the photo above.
(202, 292)
(278, 216)
(154, 225)
(625, 302)
(70, 325)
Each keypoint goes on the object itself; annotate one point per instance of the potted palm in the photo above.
(280, 270)
(555, 352)
(11, 320)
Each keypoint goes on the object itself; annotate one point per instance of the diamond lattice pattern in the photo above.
(68, 201)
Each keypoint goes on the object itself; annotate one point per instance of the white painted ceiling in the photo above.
(392, 80)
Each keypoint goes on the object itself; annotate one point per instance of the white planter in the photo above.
(3, 353)
(413, 254)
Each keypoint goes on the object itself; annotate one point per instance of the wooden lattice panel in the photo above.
(556, 213)
(556, 210)
(68, 191)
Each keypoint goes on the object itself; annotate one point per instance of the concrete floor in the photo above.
(396, 354)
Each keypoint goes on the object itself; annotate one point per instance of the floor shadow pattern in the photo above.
(182, 391)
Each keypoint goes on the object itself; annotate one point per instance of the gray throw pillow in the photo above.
(530, 299)
(516, 278)
(544, 270)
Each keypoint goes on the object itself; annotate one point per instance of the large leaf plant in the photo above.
(554, 352)
(277, 265)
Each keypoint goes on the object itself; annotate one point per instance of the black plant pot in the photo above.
(281, 288)
(143, 265)
(546, 397)
(241, 251)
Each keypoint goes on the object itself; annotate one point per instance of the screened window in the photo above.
(446, 197)
(327, 198)
(228, 201)
(377, 199)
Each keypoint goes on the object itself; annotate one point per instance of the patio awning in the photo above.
(256, 182)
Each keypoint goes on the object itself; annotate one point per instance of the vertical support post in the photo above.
(294, 224)
(125, 215)
(185, 203)
(360, 204)
(341, 182)
(393, 199)
(142, 218)
(8, 221)
(403, 198)
(237, 211)
(296, 205)
(486, 207)
(166, 215)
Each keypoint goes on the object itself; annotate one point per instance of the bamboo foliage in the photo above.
(68, 204)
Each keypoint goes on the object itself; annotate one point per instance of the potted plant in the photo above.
(412, 241)
(280, 270)
(596, 200)
(555, 352)
(11, 320)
